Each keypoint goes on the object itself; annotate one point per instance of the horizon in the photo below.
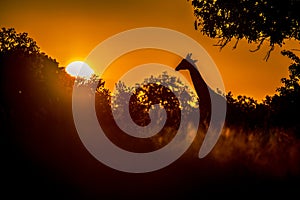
(80, 26)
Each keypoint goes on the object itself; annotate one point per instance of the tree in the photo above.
(257, 21)
(291, 84)
(152, 91)
(10, 40)
(285, 105)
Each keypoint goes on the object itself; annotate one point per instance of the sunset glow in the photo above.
(150, 99)
(99, 20)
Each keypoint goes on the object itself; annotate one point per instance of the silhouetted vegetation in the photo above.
(277, 111)
(42, 150)
(271, 21)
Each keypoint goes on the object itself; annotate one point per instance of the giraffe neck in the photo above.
(199, 84)
(202, 90)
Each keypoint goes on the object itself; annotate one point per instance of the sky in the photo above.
(70, 30)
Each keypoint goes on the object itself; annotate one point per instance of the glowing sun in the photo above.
(79, 68)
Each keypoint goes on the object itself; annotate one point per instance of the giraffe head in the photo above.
(186, 63)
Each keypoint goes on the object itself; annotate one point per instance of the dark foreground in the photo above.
(54, 167)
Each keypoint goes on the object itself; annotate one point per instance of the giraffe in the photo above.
(207, 124)
(202, 89)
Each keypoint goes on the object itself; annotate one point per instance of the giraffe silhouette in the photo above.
(202, 89)
(207, 124)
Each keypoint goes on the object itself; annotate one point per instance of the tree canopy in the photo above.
(10, 40)
(259, 21)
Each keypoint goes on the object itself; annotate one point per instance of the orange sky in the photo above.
(69, 30)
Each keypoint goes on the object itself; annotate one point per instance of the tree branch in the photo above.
(222, 43)
(259, 45)
(236, 43)
(269, 53)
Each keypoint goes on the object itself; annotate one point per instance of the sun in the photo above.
(79, 69)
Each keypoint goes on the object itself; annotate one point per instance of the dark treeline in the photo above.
(277, 111)
(40, 145)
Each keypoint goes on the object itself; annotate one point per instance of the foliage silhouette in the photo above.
(12, 41)
(256, 21)
(140, 99)
(277, 111)
(285, 105)
(33, 107)
(152, 91)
